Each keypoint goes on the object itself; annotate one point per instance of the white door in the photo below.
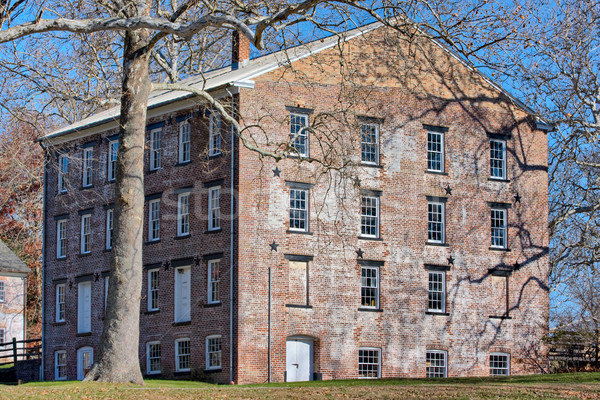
(299, 360)
(84, 307)
(182, 294)
(85, 359)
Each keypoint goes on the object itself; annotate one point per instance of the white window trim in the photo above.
(59, 224)
(63, 161)
(376, 126)
(109, 228)
(306, 136)
(210, 299)
(503, 142)
(500, 353)
(58, 303)
(214, 130)
(2, 292)
(180, 215)
(86, 217)
(2, 336)
(378, 217)
(177, 369)
(443, 207)
(177, 299)
(445, 353)
(504, 230)
(155, 164)
(443, 307)
(443, 152)
(209, 367)
(183, 125)
(111, 172)
(377, 288)
(151, 237)
(306, 211)
(148, 364)
(56, 365)
(87, 165)
(80, 320)
(378, 362)
(211, 210)
(150, 271)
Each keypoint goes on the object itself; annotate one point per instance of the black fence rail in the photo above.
(20, 350)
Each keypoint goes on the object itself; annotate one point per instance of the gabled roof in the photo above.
(10, 263)
(242, 75)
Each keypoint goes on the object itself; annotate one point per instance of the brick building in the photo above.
(416, 246)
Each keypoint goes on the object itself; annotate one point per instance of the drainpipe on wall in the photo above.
(269, 329)
(231, 245)
(44, 211)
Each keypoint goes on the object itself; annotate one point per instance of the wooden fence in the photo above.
(20, 350)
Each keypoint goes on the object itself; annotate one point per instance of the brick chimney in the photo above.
(240, 50)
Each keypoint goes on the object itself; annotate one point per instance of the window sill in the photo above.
(371, 165)
(369, 309)
(213, 230)
(437, 244)
(151, 312)
(182, 164)
(427, 171)
(107, 250)
(299, 232)
(376, 239)
(86, 187)
(182, 237)
(213, 156)
(61, 323)
(437, 313)
(500, 248)
(109, 181)
(498, 179)
(213, 370)
(152, 242)
(84, 334)
(183, 323)
(298, 306)
(211, 305)
(500, 317)
(84, 254)
(61, 258)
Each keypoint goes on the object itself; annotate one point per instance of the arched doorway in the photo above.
(299, 358)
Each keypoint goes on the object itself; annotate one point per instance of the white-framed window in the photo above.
(153, 220)
(498, 225)
(184, 142)
(63, 172)
(87, 166)
(369, 287)
(155, 149)
(2, 336)
(182, 355)
(299, 134)
(60, 302)
(214, 208)
(435, 364)
(113, 147)
(213, 352)
(106, 283)
(183, 214)
(153, 285)
(153, 351)
(109, 228)
(61, 238)
(499, 364)
(214, 281)
(369, 216)
(299, 210)
(369, 362)
(369, 143)
(85, 359)
(182, 294)
(2, 292)
(436, 218)
(214, 134)
(60, 365)
(84, 307)
(435, 151)
(498, 158)
(437, 292)
(86, 233)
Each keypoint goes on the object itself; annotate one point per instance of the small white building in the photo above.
(13, 273)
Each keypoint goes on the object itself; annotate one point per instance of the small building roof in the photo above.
(10, 264)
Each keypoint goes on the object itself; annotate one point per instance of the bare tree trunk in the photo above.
(118, 359)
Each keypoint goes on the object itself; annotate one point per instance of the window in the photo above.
(299, 210)
(298, 280)
(183, 214)
(61, 238)
(214, 280)
(153, 282)
(369, 216)
(85, 359)
(182, 355)
(155, 149)
(184, 142)
(84, 307)
(499, 364)
(435, 366)
(153, 220)
(63, 171)
(2, 292)
(498, 159)
(153, 358)
(87, 165)
(370, 144)
(498, 220)
(214, 129)
(86, 233)
(299, 134)
(437, 291)
(435, 222)
(369, 363)
(106, 281)
(499, 298)
(213, 352)
(60, 302)
(60, 365)
(214, 208)
(2, 336)
(182, 294)
(435, 151)
(109, 228)
(113, 147)
(369, 287)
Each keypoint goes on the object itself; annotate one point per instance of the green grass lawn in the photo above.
(556, 386)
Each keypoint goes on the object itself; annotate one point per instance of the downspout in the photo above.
(44, 211)
(231, 238)
(269, 328)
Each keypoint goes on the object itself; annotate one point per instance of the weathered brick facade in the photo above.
(495, 299)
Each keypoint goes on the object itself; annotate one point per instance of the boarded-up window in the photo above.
(499, 293)
(298, 282)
